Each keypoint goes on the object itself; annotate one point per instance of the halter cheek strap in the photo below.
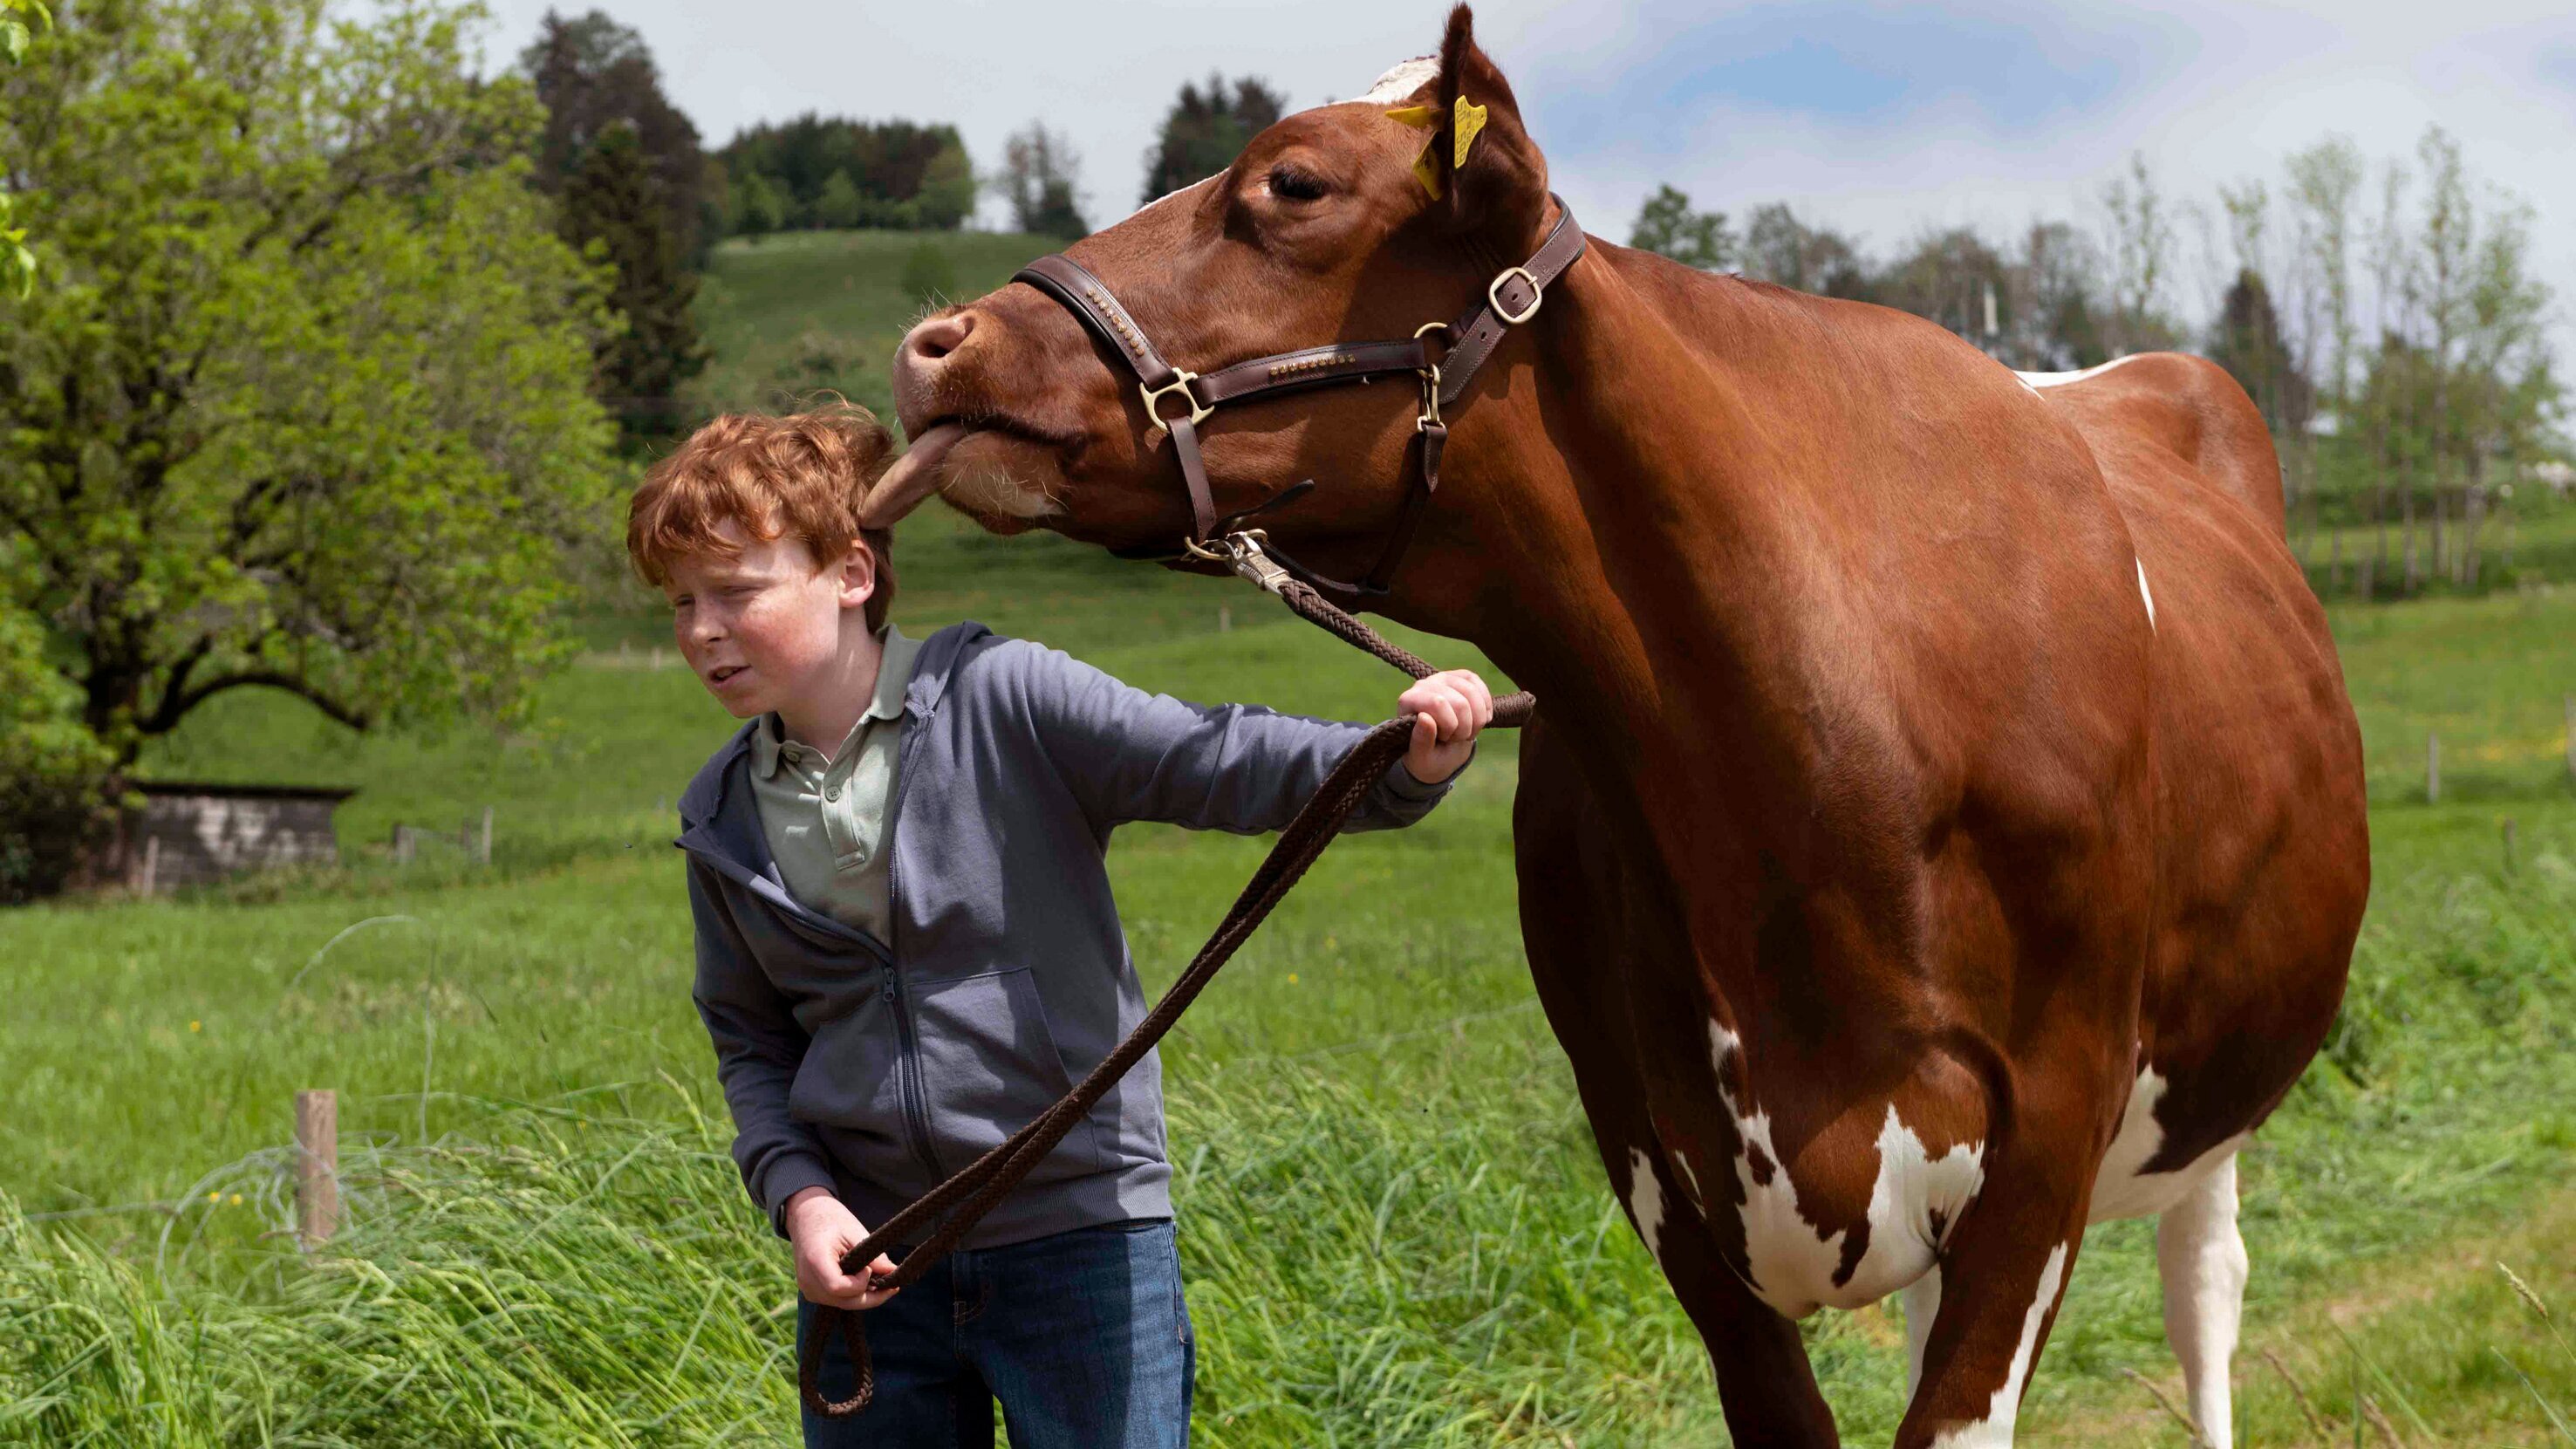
(1177, 400)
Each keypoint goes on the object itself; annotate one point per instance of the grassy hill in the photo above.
(1394, 1224)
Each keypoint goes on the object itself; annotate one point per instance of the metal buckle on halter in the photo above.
(1180, 383)
(1430, 375)
(1494, 294)
(1242, 553)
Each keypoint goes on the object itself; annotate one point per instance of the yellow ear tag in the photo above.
(1470, 124)
(1420, 118)
(1425, 172)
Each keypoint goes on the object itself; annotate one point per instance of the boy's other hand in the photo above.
(1448, 709)
(822, 1229)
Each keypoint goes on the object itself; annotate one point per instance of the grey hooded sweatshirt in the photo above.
(876, 1068)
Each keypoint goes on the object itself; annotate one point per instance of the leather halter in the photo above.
(1510, 299)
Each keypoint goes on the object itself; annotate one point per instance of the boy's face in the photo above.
(763, 629)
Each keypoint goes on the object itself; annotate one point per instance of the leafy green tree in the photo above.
(1666, 224)
(1205, 130)
(17, 263)
(758, 207)
(613, 208)
(839, 207)
(907, 174)
(302, 405)
(948, 186)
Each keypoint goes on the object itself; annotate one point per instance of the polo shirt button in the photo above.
(832, 794)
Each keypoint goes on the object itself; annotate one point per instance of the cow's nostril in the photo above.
(939, 336)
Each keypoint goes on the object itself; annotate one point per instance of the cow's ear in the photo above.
(1492, 179)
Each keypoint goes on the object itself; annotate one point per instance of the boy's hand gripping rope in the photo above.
(982, 1185)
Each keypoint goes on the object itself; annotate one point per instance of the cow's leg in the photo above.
(1922, 1305)
(1573, 905)
(2002, 1274)
(2202, 1259)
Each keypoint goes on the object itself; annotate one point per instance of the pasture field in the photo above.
(1395, 1228)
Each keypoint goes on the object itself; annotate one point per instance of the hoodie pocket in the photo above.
(990, 1067)
(850, 1087)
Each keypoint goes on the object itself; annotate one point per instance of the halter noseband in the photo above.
(1510, 299)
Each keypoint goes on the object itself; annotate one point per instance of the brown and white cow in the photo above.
(1943, 827)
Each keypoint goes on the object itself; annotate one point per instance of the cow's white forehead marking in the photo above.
(1401, 81)
(1913, 1203)
(1995, 1430)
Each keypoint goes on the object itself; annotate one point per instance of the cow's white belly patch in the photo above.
(2122, 1188)
(1797, 1266)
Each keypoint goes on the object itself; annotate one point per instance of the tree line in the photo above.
(2384, 316)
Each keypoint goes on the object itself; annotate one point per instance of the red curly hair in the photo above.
(801, 474)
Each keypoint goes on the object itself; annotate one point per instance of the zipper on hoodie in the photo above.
(916, 1111)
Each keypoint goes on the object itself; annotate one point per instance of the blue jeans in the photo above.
(1082, 1335)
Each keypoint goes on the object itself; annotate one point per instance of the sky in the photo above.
(1881, 119)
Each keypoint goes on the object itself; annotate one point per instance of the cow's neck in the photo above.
(1611, 547)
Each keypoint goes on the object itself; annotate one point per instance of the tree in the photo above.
(1778, 247)
(2140, 253)
(627, 168)
(1205, 130)
(947, 195)
(758, 208)
(2247, 342)
(1955, 278)
(594, 75)
(1040, 179)
(1667, 225)
(302, 407)
(906, 174)
(838, 207)
(613, 207)
(17, 263)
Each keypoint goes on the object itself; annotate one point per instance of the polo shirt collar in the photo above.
(894, 674)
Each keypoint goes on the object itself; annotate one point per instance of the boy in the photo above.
(906, 946)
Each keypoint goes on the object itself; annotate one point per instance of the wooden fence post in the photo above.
(2432, 769)
(1224, 618)
(484, 855)
(2508, 846)
(151, 863)
(317, 1161)
(2571, 739)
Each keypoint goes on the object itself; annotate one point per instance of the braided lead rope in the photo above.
(991, 1177)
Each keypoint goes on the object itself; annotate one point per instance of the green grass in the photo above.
(802, 311)
(1394, 1224)
(1393, 1221)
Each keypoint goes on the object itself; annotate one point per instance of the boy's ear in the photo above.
(1492, 179)
(858, 569)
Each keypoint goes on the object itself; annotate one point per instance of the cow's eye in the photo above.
(1288, 183)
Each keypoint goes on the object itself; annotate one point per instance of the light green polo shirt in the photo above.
(826, 819)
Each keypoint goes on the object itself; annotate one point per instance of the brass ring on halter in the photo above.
(1180, 383)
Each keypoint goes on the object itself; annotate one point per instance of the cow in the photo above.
(1943, 824)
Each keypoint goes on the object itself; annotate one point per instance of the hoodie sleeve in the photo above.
(758, 1049)
(1129, 755)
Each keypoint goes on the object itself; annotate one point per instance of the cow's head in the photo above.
(1320, 232)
